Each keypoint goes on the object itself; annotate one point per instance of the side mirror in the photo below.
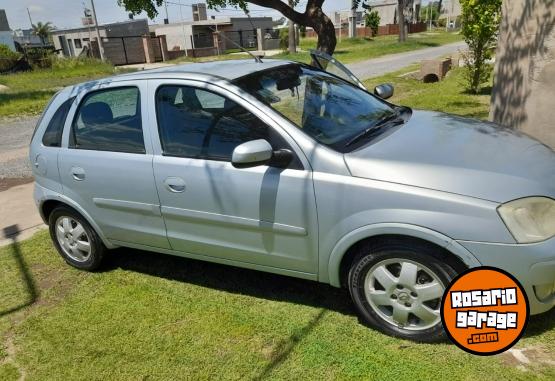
(384, 91)
(252, 154)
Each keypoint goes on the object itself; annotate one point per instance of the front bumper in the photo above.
(532, 264)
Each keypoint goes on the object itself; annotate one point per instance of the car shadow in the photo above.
(258, 284)
(231, 279)
(31, 290)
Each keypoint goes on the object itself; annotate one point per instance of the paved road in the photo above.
(386, 64)
(15, 136)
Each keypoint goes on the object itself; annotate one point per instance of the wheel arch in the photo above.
(344, 251)
(52, 201)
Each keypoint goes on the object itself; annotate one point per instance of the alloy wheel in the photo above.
(404, 293)
(73, 238)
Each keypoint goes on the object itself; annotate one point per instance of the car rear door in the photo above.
(262, 215)
(106, 163)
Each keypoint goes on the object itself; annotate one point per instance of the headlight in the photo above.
(530, 219)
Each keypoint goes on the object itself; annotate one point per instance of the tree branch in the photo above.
(284, 9)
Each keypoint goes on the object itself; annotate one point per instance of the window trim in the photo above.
(69, 101)
(138, 109)
(300, 165)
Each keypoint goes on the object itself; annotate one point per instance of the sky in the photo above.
(68, 13)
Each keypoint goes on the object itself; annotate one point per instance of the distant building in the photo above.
(27, 38)
(341, 17)
(387, 9)
(450, 10)
(199, 12)
(6, 36)
(201, 34)
(72, 42)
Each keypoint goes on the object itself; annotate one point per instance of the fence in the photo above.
(384, 30)
(244, 38)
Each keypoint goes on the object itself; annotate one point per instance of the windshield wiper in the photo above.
(385, 120)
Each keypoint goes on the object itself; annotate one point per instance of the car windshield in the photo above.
(329, 109)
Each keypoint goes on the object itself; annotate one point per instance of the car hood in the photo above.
(459, 155)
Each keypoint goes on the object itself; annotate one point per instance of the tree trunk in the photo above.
(313, 17)
(292, 40)
(324, 28)
(401, 20)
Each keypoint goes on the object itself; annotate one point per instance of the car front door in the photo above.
(262, 215)
(106, 164)
(326, 62)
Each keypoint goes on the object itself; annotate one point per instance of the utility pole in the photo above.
(353, 20)
(292, 38)
(30, 19)
(166, 20)
(100, 47)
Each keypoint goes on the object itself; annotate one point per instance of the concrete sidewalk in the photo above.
(18, 214)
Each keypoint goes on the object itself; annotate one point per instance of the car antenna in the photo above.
(256, 58)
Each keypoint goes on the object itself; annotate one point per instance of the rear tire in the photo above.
(397, 288)
(75, 239)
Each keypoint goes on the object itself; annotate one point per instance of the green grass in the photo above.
(29, 92)
(360, 49)
(449, 95)
(151, 316)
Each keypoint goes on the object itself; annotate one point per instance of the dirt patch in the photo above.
(7, 183)
(528, 358)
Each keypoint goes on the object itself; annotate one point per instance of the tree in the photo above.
(439, 6)
(313, 15)
(401, 7)
(372, 21)
(480, 24)
(42, 30)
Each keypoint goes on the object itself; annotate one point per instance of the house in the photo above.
(340, 18)
(387, 10)
(27, 38)
(200, 36)
(6, 36)
(122, 41)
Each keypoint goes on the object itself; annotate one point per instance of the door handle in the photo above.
(175, 184)
(78, 173)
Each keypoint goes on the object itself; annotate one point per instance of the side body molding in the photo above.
(391, 229)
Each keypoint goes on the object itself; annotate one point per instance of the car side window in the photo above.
(53, 134)
(109, 120)
(198, 123)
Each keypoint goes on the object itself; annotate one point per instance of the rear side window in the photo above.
(53, 135)
(109, 120)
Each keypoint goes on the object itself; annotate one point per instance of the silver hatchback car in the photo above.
(298, 170)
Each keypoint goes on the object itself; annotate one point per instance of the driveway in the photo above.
(393, 62)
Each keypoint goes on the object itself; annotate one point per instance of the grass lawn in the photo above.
(151, 316)
(359, 49)
(448, 95)
(29, 92)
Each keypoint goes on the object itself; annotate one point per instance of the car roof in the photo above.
(227, 70)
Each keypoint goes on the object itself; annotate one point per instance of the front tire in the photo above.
(75, 239)
(397, 288)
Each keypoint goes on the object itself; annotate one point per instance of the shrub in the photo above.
(480, 24)
(8, 58)
(372, 21)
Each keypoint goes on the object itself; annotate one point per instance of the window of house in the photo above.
(77, 43)
(109, 120)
